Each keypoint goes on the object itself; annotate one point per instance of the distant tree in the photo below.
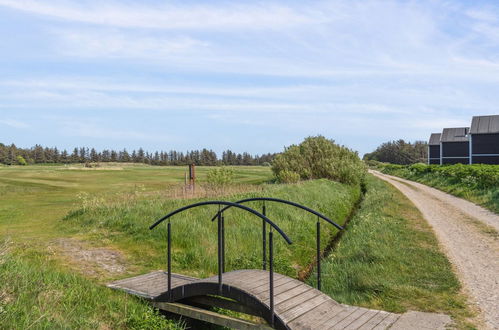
(399, 152)
(114, 156)
(205, 157)
(93, 155)
(64, 157)
(21, 161)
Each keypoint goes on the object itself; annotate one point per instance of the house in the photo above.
(455, 146)
(434, 149)
(484, 140)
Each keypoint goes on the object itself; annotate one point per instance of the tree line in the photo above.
(12, 155)
(400, 152)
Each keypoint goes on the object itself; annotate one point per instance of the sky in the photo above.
(249, 76)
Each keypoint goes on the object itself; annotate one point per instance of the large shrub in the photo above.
(220, 177)
(317, 157)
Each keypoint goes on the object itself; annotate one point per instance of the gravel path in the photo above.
(469, 236)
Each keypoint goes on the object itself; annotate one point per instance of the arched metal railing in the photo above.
(221, 243)
(283, 201)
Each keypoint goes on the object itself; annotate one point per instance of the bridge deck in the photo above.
(297, 305)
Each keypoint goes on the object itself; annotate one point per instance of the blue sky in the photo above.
(249, 76)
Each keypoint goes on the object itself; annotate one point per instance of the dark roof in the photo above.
(455, 134)
(435, 139)
(485, 124)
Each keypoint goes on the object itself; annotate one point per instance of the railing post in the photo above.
(169, 262)
(264, 238)
(223, 244)
(318, 254)
(271, 277)
(220, 261)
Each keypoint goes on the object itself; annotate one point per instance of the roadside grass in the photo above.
(486, 197)
(389, 259)
(125, 224)
(467, 188)
(35, 295)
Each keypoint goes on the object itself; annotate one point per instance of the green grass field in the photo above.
(41, 286)
(66, 231)
(33, 197)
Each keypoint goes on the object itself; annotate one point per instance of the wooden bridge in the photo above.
(276, 300)
(297, 305)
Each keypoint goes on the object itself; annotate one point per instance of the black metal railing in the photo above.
(221, 244)
(264, 230)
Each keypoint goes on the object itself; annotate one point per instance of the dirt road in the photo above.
(469, 237)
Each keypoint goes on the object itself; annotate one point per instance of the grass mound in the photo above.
(389, 259)
(194, 236)
(35, 295)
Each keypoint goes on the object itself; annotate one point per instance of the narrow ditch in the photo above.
(306, 272)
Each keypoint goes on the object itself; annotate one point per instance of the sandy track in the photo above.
(465, 232)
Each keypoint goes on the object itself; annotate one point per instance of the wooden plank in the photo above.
(292, 313)
(373, 322)
(362, 320)
(298, 300)
(387, 322)
(246, 281)
(155, 288)
(142, 279)
(209, 316)
(246, 275)
(150, 285)
(264, 288)
(349, 319)
(313, 318)
(288, 292)
(338, 317)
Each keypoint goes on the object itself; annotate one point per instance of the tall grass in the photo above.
(35, 296)
(478, 183)
(389, 259)
(194, 235)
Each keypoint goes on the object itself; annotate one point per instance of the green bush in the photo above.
(316, 158)
(21, 161)
(220, 177)
(286, 176)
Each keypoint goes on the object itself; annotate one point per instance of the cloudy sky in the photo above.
(250, 76)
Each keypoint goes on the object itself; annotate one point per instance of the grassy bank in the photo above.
(194, 236)
(389, 259)
(34, 295)
(476, 183)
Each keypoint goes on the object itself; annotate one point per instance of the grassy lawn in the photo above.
(37, 288)
(32, 198)
(389, 259)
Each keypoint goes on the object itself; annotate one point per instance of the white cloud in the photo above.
(14, 123)
(168, 16)
(115, 44)
(101, 130)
